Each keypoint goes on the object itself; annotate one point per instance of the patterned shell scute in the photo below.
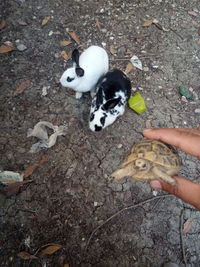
(156, 152)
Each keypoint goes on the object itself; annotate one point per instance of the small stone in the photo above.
(95, 204)
(145, 69)
(197, 110)
(184, 99)
(155, 193)
(21, 47)
(119, 146)
(104, 30)
(104, 44)
(155, 66)
(50, 33)
(140, 88)
(147, 78)
(44, 90)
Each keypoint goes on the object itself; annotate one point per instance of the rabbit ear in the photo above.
(111, 103)
(75, 56)
(79, 72)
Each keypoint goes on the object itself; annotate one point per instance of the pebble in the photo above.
(197, 110)
(21, 47)
(145, 69)
(95, 204)
(50, 33)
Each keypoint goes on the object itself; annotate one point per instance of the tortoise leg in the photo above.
(163, 176)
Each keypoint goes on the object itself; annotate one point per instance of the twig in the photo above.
(176, 33)
(120, 211)
(181, 238)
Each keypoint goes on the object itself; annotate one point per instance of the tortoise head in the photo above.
(132, 168)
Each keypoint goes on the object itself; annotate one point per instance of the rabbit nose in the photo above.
(97, 128)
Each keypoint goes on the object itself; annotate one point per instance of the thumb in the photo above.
(186, 190)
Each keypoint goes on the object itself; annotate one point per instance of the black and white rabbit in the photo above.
(86, 71)
(113, 91)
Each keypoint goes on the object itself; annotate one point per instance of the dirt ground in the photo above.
(71, 194)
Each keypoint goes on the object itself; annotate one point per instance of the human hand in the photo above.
(187, 140)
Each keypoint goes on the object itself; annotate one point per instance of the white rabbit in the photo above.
(86, 71)
(113, 91)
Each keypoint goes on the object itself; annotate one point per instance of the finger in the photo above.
(188, 140)
(186, 190)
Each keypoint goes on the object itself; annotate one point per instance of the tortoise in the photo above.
(150, 160)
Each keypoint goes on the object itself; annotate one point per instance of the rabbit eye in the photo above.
(70, 79)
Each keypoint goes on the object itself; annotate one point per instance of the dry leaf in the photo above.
(65, 55)
(74, 36)
(20, 89)
(5, 48)
(26, 256)
(147, 22)
(22, 22)
(65, 42)
(51, 248)
(160, 27)
(98, 24)
(45, 20)
(193, 13)
(2, 24)
(33, 166)
(187, 226)
(140, 37)
(66, 265)
(14, 188)
(113, 49)
(129, 67)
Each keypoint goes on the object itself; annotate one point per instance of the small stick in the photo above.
(181, 239)
(120, 211)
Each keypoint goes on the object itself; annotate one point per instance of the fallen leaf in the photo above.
(65, 42)
(45, 20)
(74, 36)
(129, 67)
(192, 13)
(5, 48)
(160, 27)
(51, 248)
(187, 226)
(2, 24)
(26, 256)
(20, 89)
(147, 22)
(65, 55)
(97, 23)
(113, 49)
(22, 22)
(14, 188)
(29, 170)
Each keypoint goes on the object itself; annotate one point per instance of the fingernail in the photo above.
(156, 184)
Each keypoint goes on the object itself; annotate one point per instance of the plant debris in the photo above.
(29, 170)
(185, 93)
(187, 226)
(129, 67)
(26, 256)
(75, 37)
(14, 188)
(20, 89)
(22, 22)
(46, 20)
(155, 22)
(64, 55)
(65, 42)
(51, 248)
(6, 47)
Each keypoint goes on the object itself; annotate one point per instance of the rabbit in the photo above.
(113, 91)
(86, 71)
